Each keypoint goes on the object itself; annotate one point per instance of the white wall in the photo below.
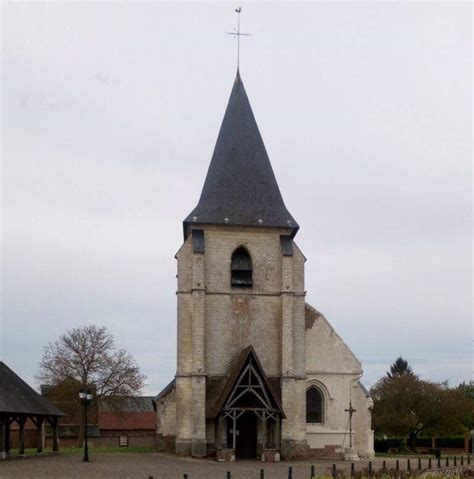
(332, 367)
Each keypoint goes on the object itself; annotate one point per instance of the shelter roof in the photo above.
(16, 396)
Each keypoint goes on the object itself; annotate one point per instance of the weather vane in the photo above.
(236, 33)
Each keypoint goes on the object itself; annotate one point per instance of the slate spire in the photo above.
(240, 186)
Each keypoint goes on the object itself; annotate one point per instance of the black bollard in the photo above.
(439, 462)
(408, 465)
(462, 460)
(419, 463)
(397, 465)
(334, 470)
(370, 467)
(352, 469)
(290, 473)
(429, 463)
(384, 466)
(312, 474)
(185, 476)
(469, 459)
(262, 474)
(229, 475)
(455, 460)
(447, 461)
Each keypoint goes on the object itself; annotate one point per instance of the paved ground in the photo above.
(162, 466)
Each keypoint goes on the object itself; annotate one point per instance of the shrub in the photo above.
(450, 442)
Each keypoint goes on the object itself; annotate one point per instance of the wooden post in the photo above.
(21, 439)
(54, 425)
(224, 428)
(39, 437)
(218, 432)
(277, 431)
(3, 421)
(234, 425)
(7, 435)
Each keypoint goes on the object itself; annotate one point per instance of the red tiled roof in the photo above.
(127, 420)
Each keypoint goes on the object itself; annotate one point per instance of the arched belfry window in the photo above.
(314, 405)
(241, 269)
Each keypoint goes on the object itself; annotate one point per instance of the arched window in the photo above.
(241, 269)
(314, 405)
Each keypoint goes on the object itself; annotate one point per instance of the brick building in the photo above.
(134, 425)
(123, 421)
(259, 371)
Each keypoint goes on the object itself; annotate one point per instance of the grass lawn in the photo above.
(92, 449)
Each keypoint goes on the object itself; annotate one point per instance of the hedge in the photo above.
(453, 442)
(383, 445)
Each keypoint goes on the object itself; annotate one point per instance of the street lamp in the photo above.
(86, 397)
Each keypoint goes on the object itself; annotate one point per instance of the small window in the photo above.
(123, 441)
(241, 269)
(314, 406)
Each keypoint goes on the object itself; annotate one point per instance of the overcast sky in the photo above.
(110, 116)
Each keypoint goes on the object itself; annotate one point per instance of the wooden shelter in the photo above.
(18, 403)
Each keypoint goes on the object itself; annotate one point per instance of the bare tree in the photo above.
(88, 357)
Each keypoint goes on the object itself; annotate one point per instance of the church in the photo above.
(260, 373)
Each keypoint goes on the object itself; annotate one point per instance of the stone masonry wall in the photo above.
(166, 422)
(334, 370)
(216, 321)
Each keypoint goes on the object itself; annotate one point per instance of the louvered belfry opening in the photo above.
(241, 269)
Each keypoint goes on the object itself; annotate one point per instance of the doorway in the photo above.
(245, 436)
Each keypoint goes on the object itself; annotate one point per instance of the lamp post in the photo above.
(86, 397)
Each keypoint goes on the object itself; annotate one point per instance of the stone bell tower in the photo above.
(240, 380)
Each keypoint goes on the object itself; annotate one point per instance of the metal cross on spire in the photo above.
(238, 34)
